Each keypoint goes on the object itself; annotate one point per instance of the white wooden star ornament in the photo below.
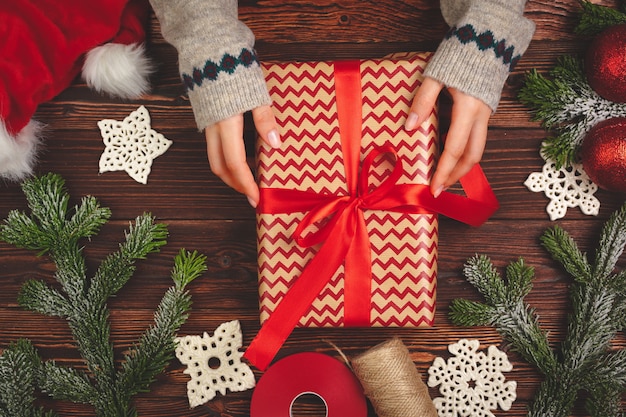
(567, 187)
(214, 363)
(131, 145)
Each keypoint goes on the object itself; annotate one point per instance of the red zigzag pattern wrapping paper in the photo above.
(403, 246)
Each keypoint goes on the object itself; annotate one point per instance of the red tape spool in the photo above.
(308, 373)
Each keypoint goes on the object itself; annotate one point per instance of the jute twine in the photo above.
(392, 382)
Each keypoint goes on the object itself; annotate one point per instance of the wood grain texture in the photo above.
(203, 214)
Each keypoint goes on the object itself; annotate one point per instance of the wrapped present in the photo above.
(347, 228)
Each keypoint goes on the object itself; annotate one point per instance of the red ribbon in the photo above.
(350, 244)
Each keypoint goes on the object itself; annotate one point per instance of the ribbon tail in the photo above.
(295, 304)
(477, 187)
(473, 208)
(357, 289)
(480, 203)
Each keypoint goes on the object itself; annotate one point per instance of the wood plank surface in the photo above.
(205, 215)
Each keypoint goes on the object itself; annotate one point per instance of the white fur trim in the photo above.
(118, 70)
(18, 153)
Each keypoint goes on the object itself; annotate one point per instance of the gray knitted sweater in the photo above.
(219, 67)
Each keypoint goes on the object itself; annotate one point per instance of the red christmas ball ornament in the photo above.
(604, 154)
(605, 64)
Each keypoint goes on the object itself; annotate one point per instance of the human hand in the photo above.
(227, 154)
(466, 137)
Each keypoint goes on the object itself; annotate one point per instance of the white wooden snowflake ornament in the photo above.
(567, 187)
(471, 382)
(131, 145)
(214, 363)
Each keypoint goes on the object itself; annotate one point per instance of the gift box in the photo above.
(347, 228)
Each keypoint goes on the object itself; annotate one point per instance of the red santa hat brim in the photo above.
(18, 152)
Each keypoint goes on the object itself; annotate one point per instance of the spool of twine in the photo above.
(392, 382)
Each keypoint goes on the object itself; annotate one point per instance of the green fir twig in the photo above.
(507, 309)
(54, 229)
(584, 361)
(595, 18)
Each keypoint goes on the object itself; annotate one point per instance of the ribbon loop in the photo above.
(362, 199)
(380, 192)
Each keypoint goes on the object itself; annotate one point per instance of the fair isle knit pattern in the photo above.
(211, 70)
(486, 41)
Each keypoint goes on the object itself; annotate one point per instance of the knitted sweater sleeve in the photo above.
(485, 41)
(217, 61)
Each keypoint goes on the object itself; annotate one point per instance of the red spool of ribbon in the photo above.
(308, 373)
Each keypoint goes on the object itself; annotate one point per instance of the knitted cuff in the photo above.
(467, 70)
(241, 91)
(216, 58)
(481, 49)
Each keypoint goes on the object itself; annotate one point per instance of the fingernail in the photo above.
(274, 139)
(438, 191)
(251, 201)
(411, 121)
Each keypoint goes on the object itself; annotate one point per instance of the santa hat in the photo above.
(44, 44)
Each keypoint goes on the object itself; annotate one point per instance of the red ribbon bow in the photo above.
(350, 240)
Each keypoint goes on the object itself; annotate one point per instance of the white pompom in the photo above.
(118, 70)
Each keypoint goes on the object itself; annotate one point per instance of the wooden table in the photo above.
(205, 215)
